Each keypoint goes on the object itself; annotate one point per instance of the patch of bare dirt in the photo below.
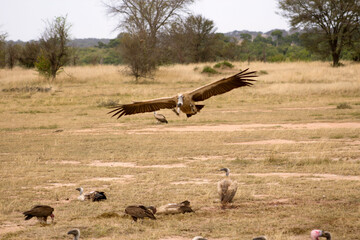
(133, 165)
(244, 127)
(311, 176)
(8, 227)
(56, 185)
(69, 162)
(193, 181)
(123, 178)
(174, 238)
(112, 164)
(271, 141)
(305, 108)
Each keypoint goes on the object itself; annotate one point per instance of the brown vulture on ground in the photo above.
(186, 101)
(42, 212)
(140, 211)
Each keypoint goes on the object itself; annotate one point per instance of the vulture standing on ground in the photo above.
(173, 208)
(226, 188)
(161, 118)
(93, 196)
(75, 233)
(42, 212)
(186, 101)
(315, 234)
(140, 211)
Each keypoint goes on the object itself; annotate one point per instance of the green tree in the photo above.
(335, 20)
(2, 50)
(200, 35)
(29, 54)
(54, 52)
(12, 54)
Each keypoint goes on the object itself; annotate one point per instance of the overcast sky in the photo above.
(25, 19)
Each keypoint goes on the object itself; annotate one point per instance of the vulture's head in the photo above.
(180, 100)
(226, 170)
(326, 234)
(80, 189)
(152, 208)
(52, 217)
(74, 232)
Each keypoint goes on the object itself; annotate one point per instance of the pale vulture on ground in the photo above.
(160, 118)
(226, 188)
(186, 101)
(93, 196)
(199, 238)
(174, 208)
(260, 238)
(75, 233)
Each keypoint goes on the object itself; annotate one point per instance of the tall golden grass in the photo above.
(294, 154)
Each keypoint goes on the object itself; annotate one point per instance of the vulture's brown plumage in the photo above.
(174, 208)
(140, 211)
(186, 101)
(42, 212)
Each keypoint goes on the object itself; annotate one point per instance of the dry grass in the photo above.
(293, 153)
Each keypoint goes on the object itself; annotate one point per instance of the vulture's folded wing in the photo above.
(144, 106)
(224, 85)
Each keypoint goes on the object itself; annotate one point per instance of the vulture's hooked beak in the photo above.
(52, 218)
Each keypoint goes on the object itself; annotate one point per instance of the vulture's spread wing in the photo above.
(144, 106)
(224, 85)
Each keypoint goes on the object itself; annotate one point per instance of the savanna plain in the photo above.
(291, 141)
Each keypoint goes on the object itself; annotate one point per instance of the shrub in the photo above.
(224, 64)
(343, 106)
(209, 70)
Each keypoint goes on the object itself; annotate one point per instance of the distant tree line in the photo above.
(157, 32)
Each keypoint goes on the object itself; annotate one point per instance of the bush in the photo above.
(224, 64)
(343, 106)
(43, 66)
(209, 70)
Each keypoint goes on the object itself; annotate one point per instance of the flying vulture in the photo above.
(42, 212)
(315, 234)
(75, 233)
(94, 196)
(186, 101)
(226, 188)
(161, 118)
(140, 211)
(173, 208)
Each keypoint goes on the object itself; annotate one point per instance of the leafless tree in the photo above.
(144, 20)
(335, 20)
